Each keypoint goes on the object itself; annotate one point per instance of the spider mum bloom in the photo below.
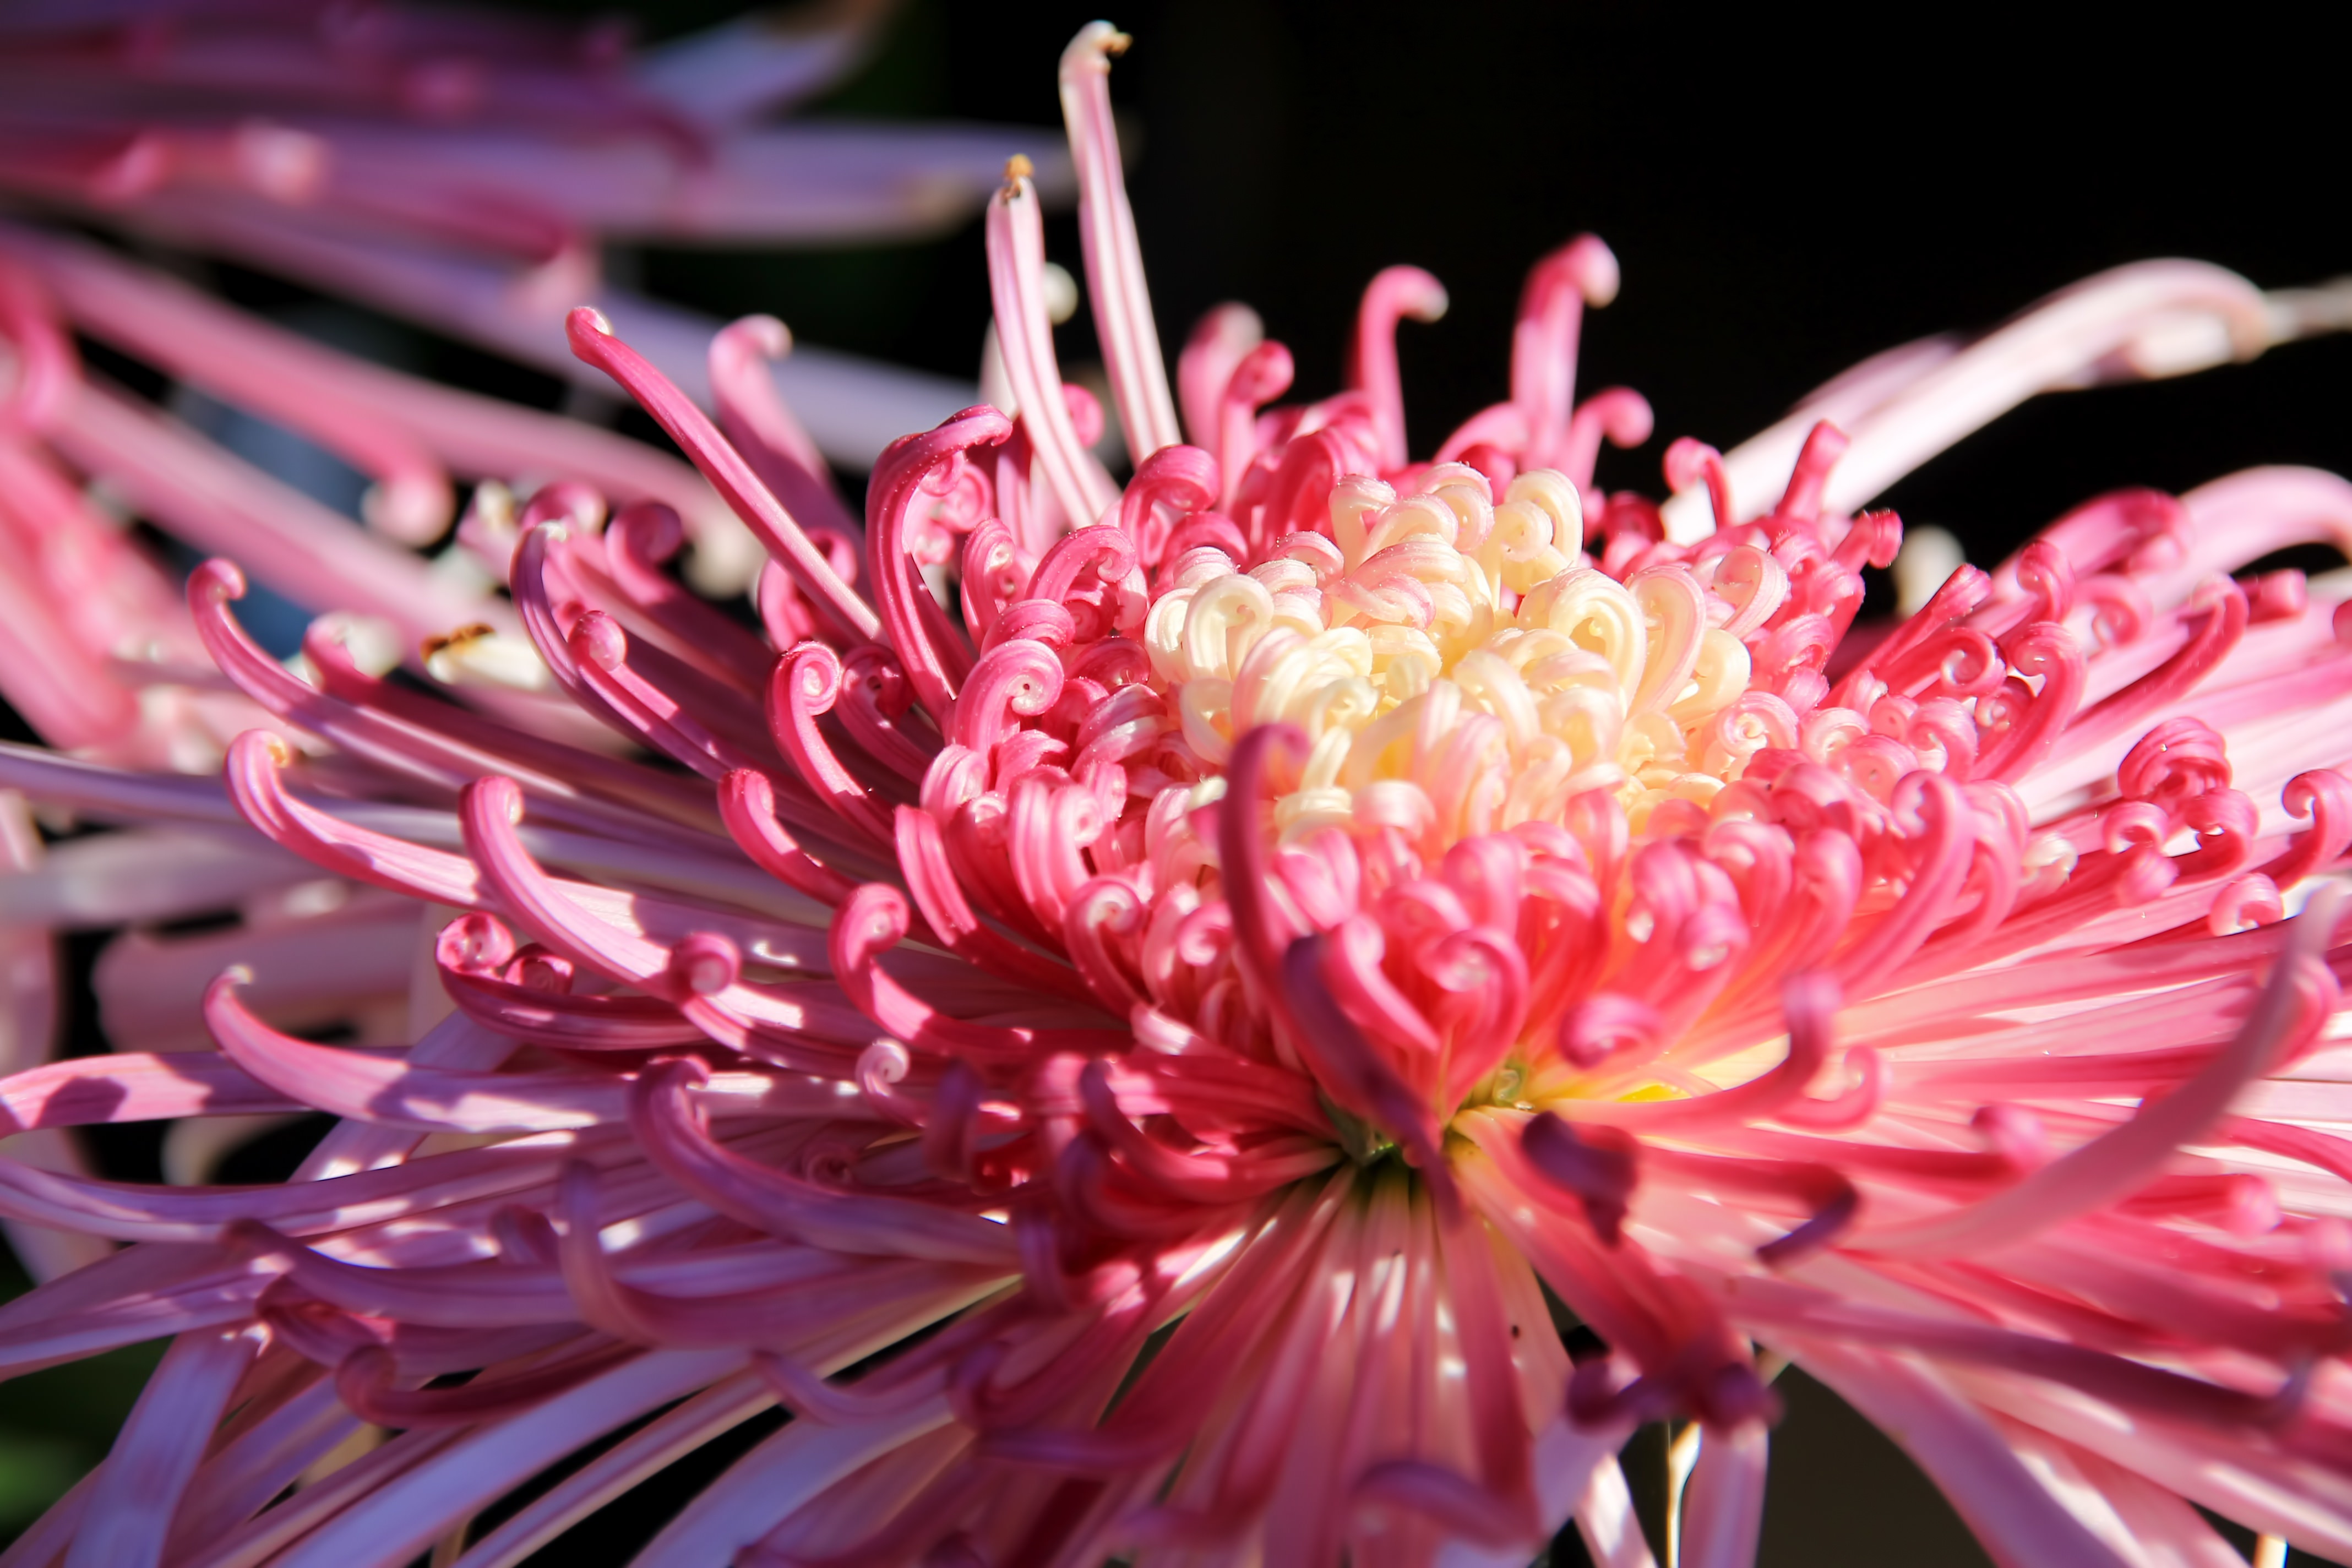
(1204, 987)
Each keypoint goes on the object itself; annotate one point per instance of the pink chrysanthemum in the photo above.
(1122, 1053)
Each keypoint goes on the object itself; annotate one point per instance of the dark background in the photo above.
(1787, 194)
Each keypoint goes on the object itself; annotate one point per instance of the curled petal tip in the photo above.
(707, 962)
(749, 785)
(877, 913)
(1265, 373)
(1094, 47)
(685, 1071)
(1412, 292)
(764, 332)
(216, 581)
(273, 751)
(1594, 267)
(1620, 413)
(813, 672)
(409, 512)
(1685, 461)
(499, 795)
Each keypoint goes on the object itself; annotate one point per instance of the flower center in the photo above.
(1455, 672)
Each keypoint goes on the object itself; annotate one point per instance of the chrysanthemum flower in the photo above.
(1145, 1058)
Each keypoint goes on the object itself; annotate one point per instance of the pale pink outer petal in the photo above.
(2112, 1165)
(718, 1409)
(1605, 1519)
(240, 1477)
(28, 1031)
(783, 1472)
(1723, 1505)
(140, 1486)
(2012, 1514)
(395, 1521)
(1571, 1472)
(1114, 257)
(2147, 1525)
(1016, 247)
(2299, 1501)
(156, 316)
(2248, 514)
(2044, 348)
(219, 503)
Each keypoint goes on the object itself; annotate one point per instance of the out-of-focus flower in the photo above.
(465, 165)
(464, 168)
(1138, 1057)
(103, 659)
